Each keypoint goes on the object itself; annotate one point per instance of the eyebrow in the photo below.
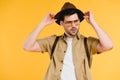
(73, 20)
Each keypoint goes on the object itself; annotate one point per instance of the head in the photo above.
(69, 17)
(70, 21)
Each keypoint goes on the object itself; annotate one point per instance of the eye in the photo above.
(76, 21)
(68, 22)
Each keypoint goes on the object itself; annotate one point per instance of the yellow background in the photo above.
(19, 17)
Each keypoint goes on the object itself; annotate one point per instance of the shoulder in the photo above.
(92, 39)
(49, 38)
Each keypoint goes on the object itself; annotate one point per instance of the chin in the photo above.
(73, 34)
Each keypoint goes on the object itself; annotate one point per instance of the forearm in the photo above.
(30, 43)
(105, 40)
(31, 39)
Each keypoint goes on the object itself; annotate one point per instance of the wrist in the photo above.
(42, 24)
(92, 22)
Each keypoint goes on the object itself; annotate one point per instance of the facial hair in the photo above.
(72, 32)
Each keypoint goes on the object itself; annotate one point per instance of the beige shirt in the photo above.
(79, 55)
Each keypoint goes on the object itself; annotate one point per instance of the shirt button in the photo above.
(60, 70)
(61, 61)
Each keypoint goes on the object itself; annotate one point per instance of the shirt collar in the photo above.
(76, 36)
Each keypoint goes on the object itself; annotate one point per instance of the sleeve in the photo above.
(92, 45)
(46, 43)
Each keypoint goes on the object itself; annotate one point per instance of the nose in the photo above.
(73, 24)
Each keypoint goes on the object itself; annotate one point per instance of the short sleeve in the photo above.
(92, 43)
(46, 43)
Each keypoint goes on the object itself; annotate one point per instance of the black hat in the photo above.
(68, 7)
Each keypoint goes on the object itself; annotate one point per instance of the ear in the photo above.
(61, 23)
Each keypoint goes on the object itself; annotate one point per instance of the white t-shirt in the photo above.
(68, 71)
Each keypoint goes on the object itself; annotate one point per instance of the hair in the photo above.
(67, 12)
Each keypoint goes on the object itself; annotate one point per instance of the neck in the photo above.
(69, 36)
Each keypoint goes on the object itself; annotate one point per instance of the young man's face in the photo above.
(71, 24)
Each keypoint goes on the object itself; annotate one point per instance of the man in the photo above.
(69, 61)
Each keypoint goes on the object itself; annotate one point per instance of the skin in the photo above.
(105, 44)
(71, 25)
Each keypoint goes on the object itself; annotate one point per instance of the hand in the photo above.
(48, 19)
(88, 16)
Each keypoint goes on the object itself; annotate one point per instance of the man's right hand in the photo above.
(48, 19)
(30, 43)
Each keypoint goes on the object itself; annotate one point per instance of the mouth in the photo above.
(73, 30)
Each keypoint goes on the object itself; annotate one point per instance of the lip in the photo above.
(73, 29)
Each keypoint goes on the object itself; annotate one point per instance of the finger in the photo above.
(53, 20)
(86, 17)
(52, 15)
(87, 12)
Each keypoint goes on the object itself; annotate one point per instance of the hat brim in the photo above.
(62, 13)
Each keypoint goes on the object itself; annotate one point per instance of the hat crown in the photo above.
(68, 5)
(66, 9)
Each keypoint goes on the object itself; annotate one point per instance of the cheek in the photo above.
(77, 27)
(67, 28)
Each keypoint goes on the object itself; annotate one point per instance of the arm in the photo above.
(30, 43)
(105, 41)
